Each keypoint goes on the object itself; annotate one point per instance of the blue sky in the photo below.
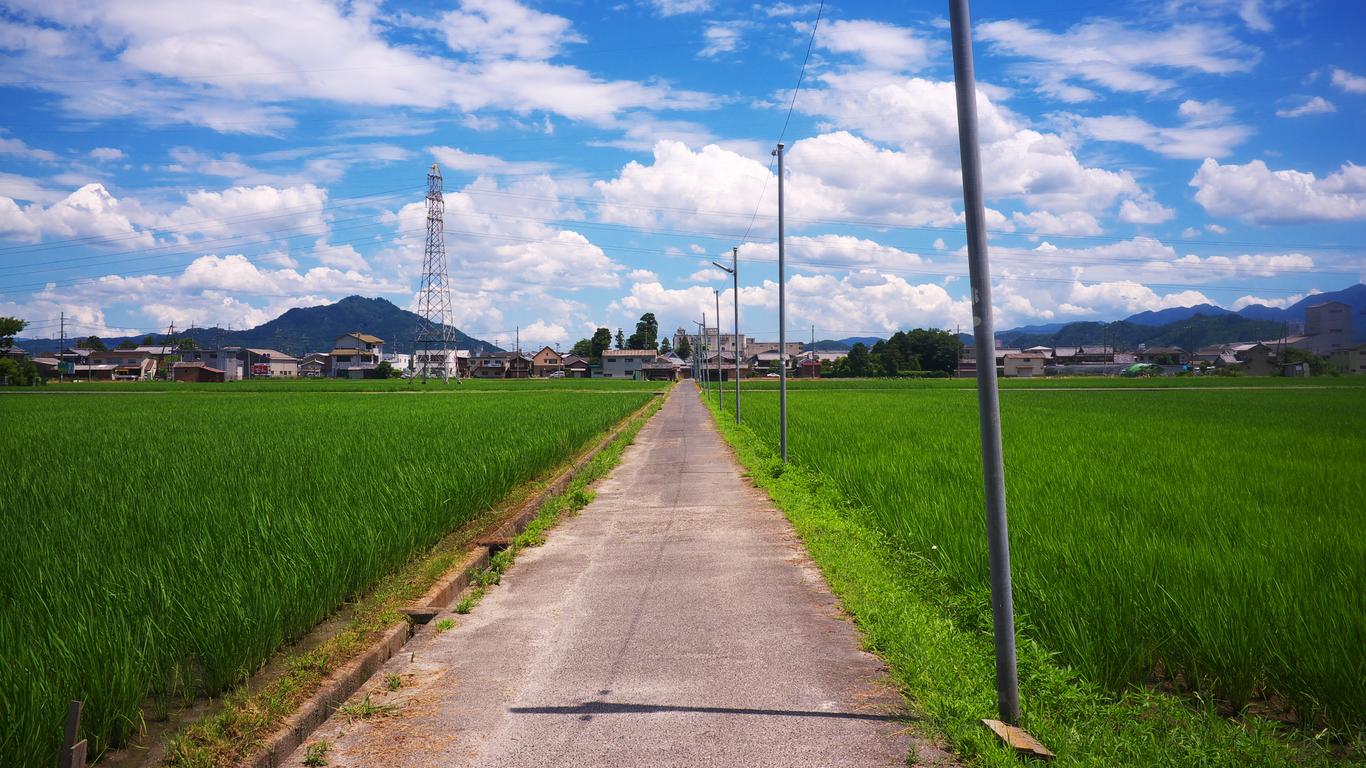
(217, 163)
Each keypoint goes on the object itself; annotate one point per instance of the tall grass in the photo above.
(164, 545)
(1211, 541)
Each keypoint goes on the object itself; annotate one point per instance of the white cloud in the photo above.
(106, 154)
(722, 37)
(703, 275)
(452, 158)
(1349, 82)
(1257, 194)
(679, 7)
(1207, 130)
(1315, 106)
(542, 333)
(1145, 210)
(831, 252)
(1070, 223)
(880, 45)
(234, 68)
(90, 211)
(17, 148)
(1113, 55)
(1279, 303)
(505, 28)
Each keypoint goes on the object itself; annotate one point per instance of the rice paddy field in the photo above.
(1204, 540)
(171, 540)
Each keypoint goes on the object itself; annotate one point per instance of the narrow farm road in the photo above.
(675, 622)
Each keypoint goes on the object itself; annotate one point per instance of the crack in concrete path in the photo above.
(675, 622)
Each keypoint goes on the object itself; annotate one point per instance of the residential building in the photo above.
(195, 373)
(546, 362)
(626, 363)
(401, 361)
(708, 362)
(436, 363)
(659, 370)
(1257, 359)
(1349, 359)
(1162, 355)
(1086, 354)
(500, 365)
(576, 367)
(268, 363)
(315, 365)
(355, 355)
(809, 366)
(1023, 364)
(229, 360)
(122, 365)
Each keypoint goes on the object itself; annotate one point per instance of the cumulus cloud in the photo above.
(505, 29)
(106, 154)
(90, 211)
(1145, 210)
(1315, 106)
(1257, 194)
(1114, 55)
(1349, 82)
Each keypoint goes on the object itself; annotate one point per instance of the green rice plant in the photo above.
(167, 544)
(1204, 541)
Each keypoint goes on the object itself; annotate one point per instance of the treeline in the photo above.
(907, 353)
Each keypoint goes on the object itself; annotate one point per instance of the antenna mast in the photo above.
(434, 330)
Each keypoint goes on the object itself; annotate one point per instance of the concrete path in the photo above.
(675, 622)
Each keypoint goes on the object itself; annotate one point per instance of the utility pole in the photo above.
(984, 336)
(720, 383)
(61, 350)
(702, 331)
(782, 318)
(734, 271)
(434, 294)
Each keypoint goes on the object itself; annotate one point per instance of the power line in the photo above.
(802, 75)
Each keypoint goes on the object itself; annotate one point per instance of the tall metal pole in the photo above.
(984, 337)
(720, 383)
(782, 318)
(735, 282)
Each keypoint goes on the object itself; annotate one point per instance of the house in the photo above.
(576, 367)
(122, 365)
(1349, 359)
(1086, 354)
(269, 363)
(626, 363)
(708, 361)
(809, 367)
(659, 369)
(1162, 355)
(436, 363)
(195, 373)
(1024, 364)
(1257, 359)
(764, 363)
(355, 355)
(229, 360)
(315, 365)
(500, 365)
(398, 360)
(546, 362)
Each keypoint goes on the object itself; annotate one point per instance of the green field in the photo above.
(169, 540)
(1208, 540)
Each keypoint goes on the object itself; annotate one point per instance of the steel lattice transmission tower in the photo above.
(434, 332)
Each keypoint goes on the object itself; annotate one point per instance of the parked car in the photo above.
(557, 374)
(773, 375)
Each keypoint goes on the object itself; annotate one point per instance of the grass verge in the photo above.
(938, 646)
(247, 717)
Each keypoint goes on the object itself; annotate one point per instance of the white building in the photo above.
(354, 355)
(437, 363)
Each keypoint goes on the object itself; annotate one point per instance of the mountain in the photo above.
(313, 329)
(1173, 314)
(1354, 297)
(826, 345)
(866, 341)
(1031, 329)
(1189, 334)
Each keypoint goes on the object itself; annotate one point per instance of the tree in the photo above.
(684, 348)
(582, 348)
(621, 340)
(187, 344)
(602, 340)
(9, 328)
(665, 347)
(1317, 365)
(386, 370)
(858, 360)
(127, 344)
(149, 341)
(92, 342)
(647, 333)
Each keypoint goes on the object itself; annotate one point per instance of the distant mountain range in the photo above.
(307, 329)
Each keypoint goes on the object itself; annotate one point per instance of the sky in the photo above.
(217, 163)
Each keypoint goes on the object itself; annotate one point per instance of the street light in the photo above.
(734, 271)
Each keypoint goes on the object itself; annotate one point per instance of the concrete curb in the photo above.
(348, 679)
